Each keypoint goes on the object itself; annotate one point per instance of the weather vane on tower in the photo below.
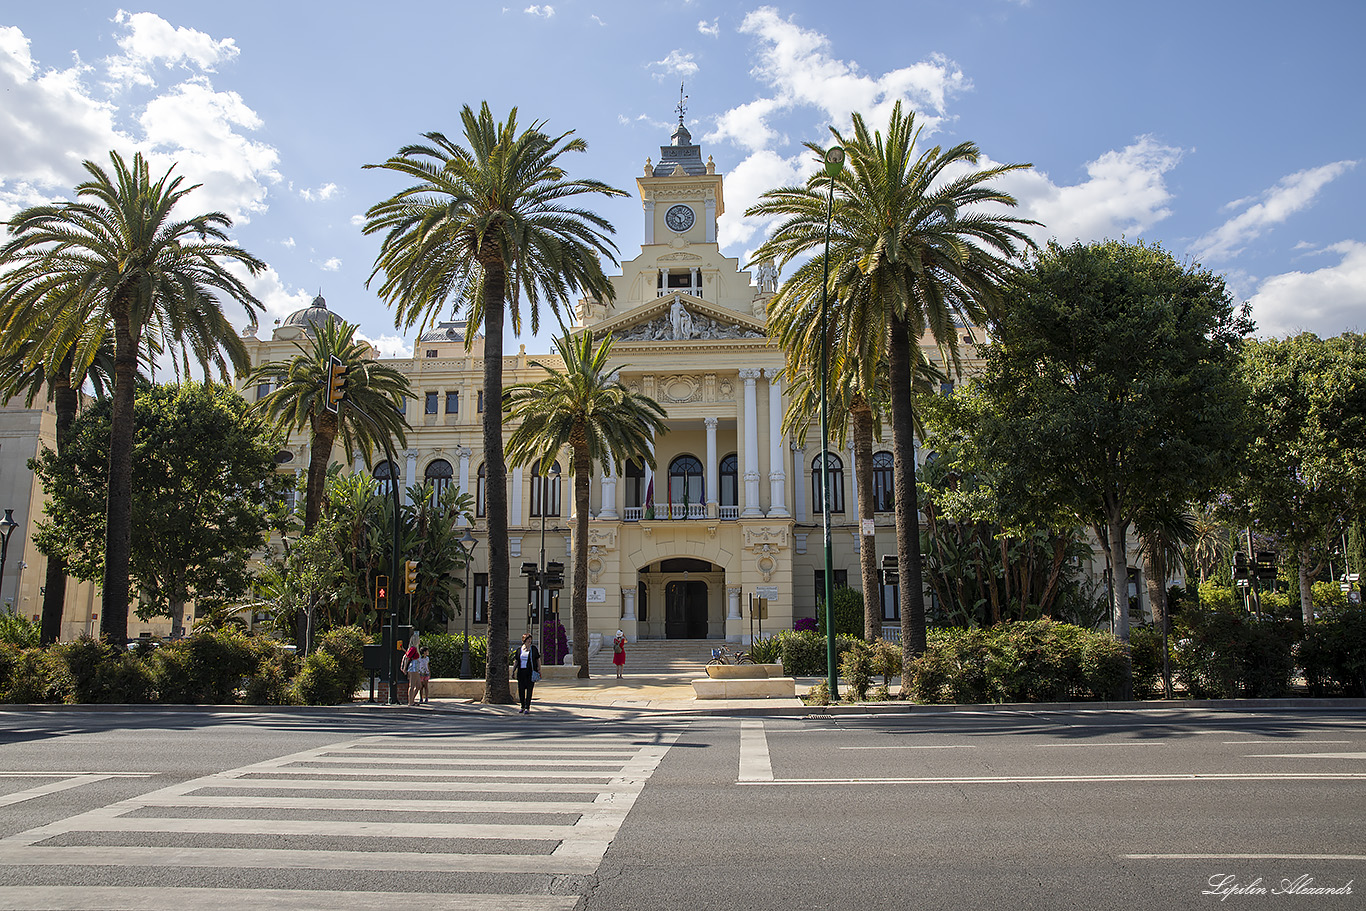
(682, 103)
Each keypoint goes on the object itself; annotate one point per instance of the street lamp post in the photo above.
(467, 542)
(552, 475)
(834, 164)
(7, 527)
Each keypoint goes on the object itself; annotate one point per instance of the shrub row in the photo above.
(802, 654)
(211, 667)
(1030, 661)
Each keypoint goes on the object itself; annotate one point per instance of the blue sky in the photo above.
(1224, 130)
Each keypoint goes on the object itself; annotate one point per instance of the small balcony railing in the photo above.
(677, 511)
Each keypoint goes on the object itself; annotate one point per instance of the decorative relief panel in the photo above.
(761, 536)
(603, 538)
(680, 389)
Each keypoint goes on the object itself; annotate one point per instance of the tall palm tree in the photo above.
(29, 371)
(482, 226)
(367, 417)
(139, 269)
(588, 408)
(917, 245)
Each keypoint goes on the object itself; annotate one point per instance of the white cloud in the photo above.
(760, 172)
(596, 19)
(388, 345)
(1125, 193)
(151, 40)
(326, 191)
(545, 12)
(271, 292)
(1326, 301)
(357, 221)
(1291, 194)
(287, 243)
(330, 265)
(711, 29)
(676, 63)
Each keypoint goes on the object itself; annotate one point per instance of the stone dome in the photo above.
(315, 314)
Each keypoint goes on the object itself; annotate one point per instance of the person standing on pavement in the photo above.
(412, 667)
(528, 663)
(425, 670)
(619, 652)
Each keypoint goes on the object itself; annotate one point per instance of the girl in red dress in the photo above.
(619, 652)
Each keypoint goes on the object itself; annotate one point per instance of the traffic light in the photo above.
(554, 576)
(890, 574)
(1240, 571)
(382, 593)
(410, 577)
(1265, 566)
(336, 382)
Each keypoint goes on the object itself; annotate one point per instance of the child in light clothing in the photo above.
(425, 669)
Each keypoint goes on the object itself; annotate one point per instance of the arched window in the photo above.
(479, 491)
(635, 483)
(882, 482)
(730, 480)
(836, 469)
(545, 491)
(685, 481)
(439, 473)
(385, 470)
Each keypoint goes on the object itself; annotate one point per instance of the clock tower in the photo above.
(681, 195)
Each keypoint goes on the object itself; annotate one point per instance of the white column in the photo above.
(649, 221)
(751, 376)
(799, 481)
(515, 513)
(709, 471)
(628, 603)
(359, 465)
(410, 472)
(852, 475)
(463, 453)
(609, 496)
(776, 478)
(709, 223)
(695, 280)
(649, 479)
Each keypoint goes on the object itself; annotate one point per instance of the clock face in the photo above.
(679, 218)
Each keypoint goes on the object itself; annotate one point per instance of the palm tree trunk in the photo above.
(583, 473)
(1155, 569)
(118, 525)
(496, 689)
(65, 399)
(319, 456)
(867, 552)
(1306, 587)
(904, 491)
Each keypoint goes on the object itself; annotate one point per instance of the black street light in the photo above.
(467, 542)
(552, 475)
(7, 527)
(834, 164)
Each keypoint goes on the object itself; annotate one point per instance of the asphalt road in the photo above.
(1158, 809)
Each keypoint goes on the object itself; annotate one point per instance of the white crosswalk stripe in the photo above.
(521, 811)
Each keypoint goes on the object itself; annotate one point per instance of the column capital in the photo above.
(411, 453)
(749, 375)
(710, 422)
(463, 453)
(772, 373)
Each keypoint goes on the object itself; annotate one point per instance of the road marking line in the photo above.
(1113, 743)
(1284, 743)
(462, 761)
(1048, 779)
(1347, 857)
(467, 787)
(133, 856)
(755, 765)
(1306, 756)
(10, 774)
(196, 826)
(43, 790)
(945, 746)
(131, 898)
(270, 801)
(369, 772)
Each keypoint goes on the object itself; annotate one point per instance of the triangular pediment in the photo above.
(680, 317)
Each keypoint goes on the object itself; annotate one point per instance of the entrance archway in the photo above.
(685, 610)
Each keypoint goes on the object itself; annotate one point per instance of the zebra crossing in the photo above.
(455, 822)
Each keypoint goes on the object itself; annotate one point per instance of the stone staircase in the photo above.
(662, 657)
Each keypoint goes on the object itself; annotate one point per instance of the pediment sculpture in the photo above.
(679, 324)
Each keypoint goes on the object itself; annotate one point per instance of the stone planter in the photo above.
(737, 671)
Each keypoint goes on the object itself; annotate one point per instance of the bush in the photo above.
(803, 654)
(1333, 653)
(322, 681)
(1030, 661)
(346, 644)
(805, 625)
(1145, 649)
(448, 650)
(766, 651)
(848, 610)
(270, 684)
(1223, 654)
(15, 630)
(38, 676)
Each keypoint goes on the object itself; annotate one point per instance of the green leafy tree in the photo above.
(586, 407)
(204, 469)
(366, 418)
(485, 224)
(1113, 391)
(919, 245)
(1305, 476)
(143, 269)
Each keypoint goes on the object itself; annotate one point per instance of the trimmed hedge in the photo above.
(802, 653)
(446, 651)
(1333, 653)
(1029, 661)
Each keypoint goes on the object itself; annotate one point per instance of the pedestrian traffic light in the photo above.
(382, 593)
(554, 576)
(336, 382)
(890, 574)
(410, 577)
(1264, 566)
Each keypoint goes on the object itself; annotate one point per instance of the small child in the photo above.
(426, 670)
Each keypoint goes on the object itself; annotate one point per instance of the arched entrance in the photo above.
(685, 610)
(681, 598)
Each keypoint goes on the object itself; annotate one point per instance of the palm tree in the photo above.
(912, 251)
(366, 418)
(138, 269)
(588, 408)
(483, 226)
(27, 370)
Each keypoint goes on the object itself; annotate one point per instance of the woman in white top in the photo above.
(528, 662)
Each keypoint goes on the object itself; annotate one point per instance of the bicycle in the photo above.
(724, 655)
